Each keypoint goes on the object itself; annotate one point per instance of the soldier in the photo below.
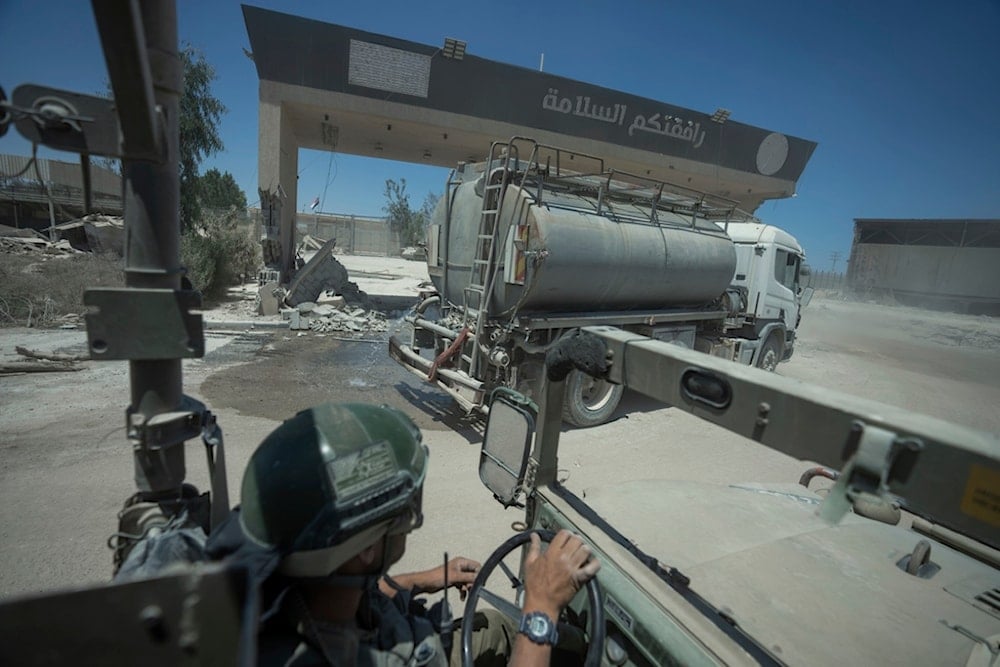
(327, 501)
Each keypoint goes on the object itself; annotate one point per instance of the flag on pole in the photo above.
(314, 204)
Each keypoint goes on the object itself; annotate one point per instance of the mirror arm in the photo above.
(547, 439)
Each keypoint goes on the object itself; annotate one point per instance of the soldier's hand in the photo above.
(552, 578)
(462, 573)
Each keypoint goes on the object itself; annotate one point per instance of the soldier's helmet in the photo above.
(331, 481)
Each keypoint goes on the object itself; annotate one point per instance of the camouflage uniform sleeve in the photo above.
(399, 635)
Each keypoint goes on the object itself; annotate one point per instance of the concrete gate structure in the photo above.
(330, 87)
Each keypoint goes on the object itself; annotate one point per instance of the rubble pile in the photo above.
(95, 233)
(91, 233)
(332, 315)
(28, 241)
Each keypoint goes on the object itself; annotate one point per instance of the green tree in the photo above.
(219, 251)
(402, 219)
(200, 115)
(411, 225)
(219, 190)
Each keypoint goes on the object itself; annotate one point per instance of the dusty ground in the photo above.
(942, 364)
(65, 467)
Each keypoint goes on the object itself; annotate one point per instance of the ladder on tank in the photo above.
(503, 156)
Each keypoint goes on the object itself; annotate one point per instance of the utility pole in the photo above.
(834, 258)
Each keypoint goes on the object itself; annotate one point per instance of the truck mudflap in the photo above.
(467, 392)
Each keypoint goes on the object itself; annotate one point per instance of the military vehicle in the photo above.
(691, 575)
(525, 247)
(897, 564)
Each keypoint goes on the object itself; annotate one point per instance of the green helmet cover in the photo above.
(332, 472)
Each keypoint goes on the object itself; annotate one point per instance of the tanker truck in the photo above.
(524, 250)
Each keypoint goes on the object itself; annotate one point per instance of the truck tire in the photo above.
(589, 401)
(769, 354)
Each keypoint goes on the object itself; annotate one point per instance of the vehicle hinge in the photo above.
(875, 457)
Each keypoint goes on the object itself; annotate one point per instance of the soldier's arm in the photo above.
(551, 580)
(461, 573)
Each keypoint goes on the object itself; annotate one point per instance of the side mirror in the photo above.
(806, 296)
(507, 444)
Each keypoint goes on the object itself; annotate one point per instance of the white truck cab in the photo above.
(768, 270)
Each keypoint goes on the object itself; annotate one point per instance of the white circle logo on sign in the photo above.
(772, 153)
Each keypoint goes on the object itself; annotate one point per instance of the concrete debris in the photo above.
(95, 233)
(339, 321)
(320, 274)
(331, 299)
(92, 233)
(265, 276)
(269, 299)
(323, 319)
(21, 232)
(309, 243)
(323, 310)
(27, 245)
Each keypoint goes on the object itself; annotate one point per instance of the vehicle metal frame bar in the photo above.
(532, 321)
(825, 426)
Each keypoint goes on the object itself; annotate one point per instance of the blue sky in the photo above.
(903, 96)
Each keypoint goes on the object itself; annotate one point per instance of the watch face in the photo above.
(538, 626)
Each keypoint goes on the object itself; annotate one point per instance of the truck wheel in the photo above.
(589, 401)
(769, 354)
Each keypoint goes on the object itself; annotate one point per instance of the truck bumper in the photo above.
(466, 391)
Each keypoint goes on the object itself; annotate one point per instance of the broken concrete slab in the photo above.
(323, 273)
(21, 232)
(94, 233)
(322, 310)
(269, 299)
(328, 299)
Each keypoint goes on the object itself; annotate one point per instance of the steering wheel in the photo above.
(510, 610)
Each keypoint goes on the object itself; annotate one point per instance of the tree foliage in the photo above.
(219, 190)
(219, 251)
(401, 217)
(411, 225)
(200, 114)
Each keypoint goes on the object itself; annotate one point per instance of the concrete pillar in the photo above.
(277, 168)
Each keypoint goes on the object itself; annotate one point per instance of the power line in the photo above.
(328, 180)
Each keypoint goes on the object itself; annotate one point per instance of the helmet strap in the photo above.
(362, 581)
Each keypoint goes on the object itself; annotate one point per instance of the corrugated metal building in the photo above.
(27, 189)
(937, 263)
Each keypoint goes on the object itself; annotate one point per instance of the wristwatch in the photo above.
(539, 628)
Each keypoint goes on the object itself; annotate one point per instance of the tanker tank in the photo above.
(577, 260)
